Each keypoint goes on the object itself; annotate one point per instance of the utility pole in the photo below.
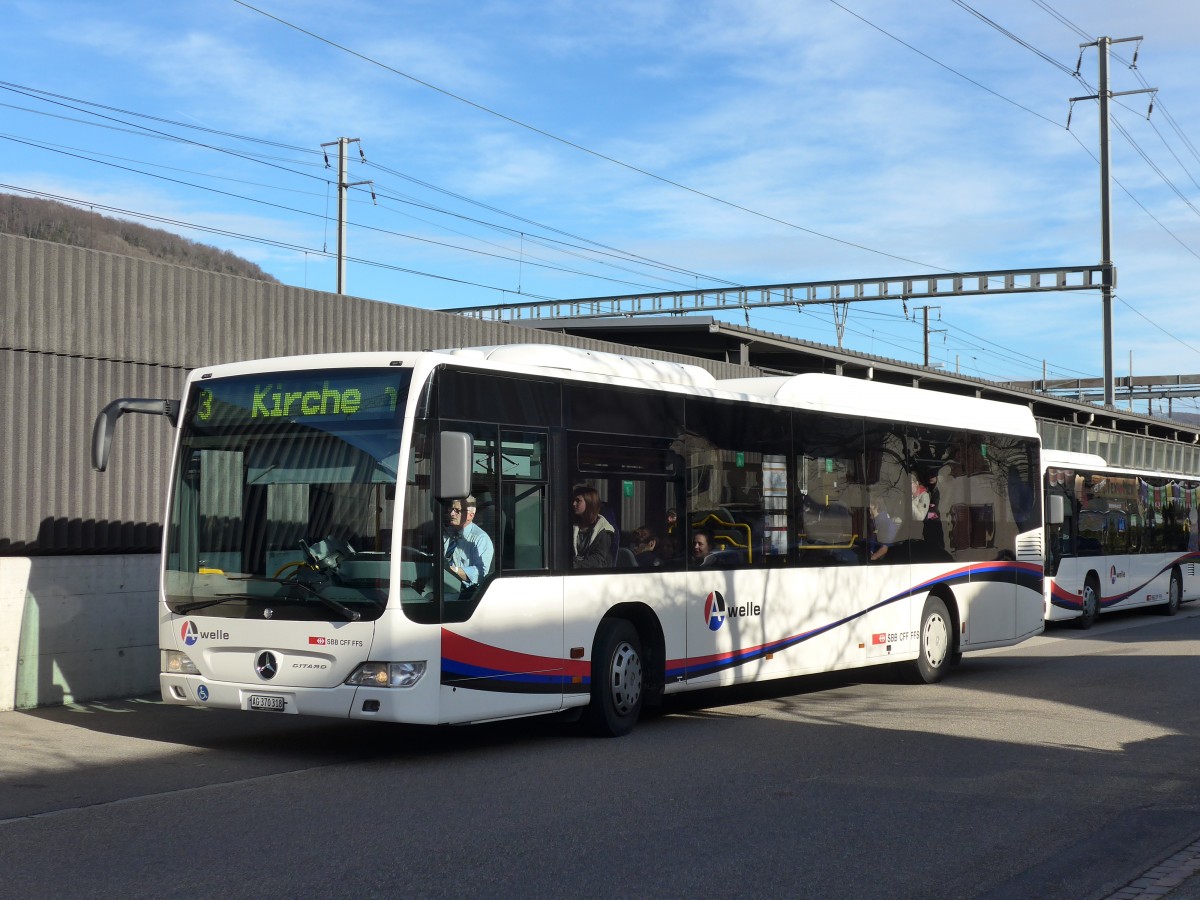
(1131, 381)
(343, 187)
(1110, 271)
(925, 316)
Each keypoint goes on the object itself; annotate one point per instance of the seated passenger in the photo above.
(701, 546)
(884, 531)
(645, 547)
(591, 535)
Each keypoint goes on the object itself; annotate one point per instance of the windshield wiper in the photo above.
(185, 608)
(352, 614)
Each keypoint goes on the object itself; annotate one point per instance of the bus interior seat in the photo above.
(626, 558)
(610, 515)
(724, 558)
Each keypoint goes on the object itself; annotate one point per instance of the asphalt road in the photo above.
(1064, 767)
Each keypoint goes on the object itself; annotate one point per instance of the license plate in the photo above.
(267, 702)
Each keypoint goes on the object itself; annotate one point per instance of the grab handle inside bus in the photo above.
(106, 423)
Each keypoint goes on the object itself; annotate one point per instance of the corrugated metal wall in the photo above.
(79, 328)
(51, 501)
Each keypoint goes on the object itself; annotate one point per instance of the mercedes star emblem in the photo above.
(266, 665)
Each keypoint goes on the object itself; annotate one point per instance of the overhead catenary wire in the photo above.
(303, 212)
(131, 128)
(1039, 115)
(256, 239)
(517, 231)
(611, 159)
(583, 149)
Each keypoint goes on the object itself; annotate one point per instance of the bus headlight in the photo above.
(176, 662)
(387, 674)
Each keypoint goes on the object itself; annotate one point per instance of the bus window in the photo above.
(509, 477)
(888, 525)
(933, 455)
(738, 481)
(826, 497)
(638, 481)
(523, 513)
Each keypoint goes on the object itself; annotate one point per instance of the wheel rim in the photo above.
(936, 640)
(1090, 602)
(1176, 591)
(626, 682)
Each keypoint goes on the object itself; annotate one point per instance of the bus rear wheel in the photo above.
(936, 652)
(1174, 594)
(617, 676)
(1089, 604)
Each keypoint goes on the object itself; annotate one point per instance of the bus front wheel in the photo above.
(617, 674)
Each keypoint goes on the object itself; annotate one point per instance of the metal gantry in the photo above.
(800, 294)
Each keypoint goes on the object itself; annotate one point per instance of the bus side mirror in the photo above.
(454, 469)
(106, 423)
(1055, 512)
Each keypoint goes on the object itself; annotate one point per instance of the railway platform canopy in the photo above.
(1067, 422)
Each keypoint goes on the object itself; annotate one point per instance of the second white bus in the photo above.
(1125, 538)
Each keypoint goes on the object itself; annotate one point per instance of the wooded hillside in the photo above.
(46, 220)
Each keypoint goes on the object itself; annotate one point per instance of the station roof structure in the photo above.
(707, 337)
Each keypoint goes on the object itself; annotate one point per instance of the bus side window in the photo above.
(523, 514)
(831, 521)
(738, 480)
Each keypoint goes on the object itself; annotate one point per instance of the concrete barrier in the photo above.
(76, 628)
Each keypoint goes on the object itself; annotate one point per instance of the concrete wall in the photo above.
(76, 628)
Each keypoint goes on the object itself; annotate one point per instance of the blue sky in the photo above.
(852, 154)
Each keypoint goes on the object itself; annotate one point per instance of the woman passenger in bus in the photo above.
(645, 548)
(884, 531)
(702, 547)
(591, 535)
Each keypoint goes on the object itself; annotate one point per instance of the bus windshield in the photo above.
(283, 495)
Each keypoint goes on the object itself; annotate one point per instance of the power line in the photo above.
(304, 212)
(272, 242)
(1064, 20)
(234, 153)
(1012, 37)
(936, 62)
(29, 91)
(1146, 157)
(615, 161)
(1136, 72)
(575, 146)
(143, 131)
(1173, 337)
(1039, 115)
(549, 228)
(91, 155)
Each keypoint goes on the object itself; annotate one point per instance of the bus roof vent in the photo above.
(575, 359)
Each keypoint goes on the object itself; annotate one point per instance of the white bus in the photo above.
(1127, 538)
(308, 567)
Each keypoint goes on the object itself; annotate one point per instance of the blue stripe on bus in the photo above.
(461, 673)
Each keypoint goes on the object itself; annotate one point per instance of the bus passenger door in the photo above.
(503, 654)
